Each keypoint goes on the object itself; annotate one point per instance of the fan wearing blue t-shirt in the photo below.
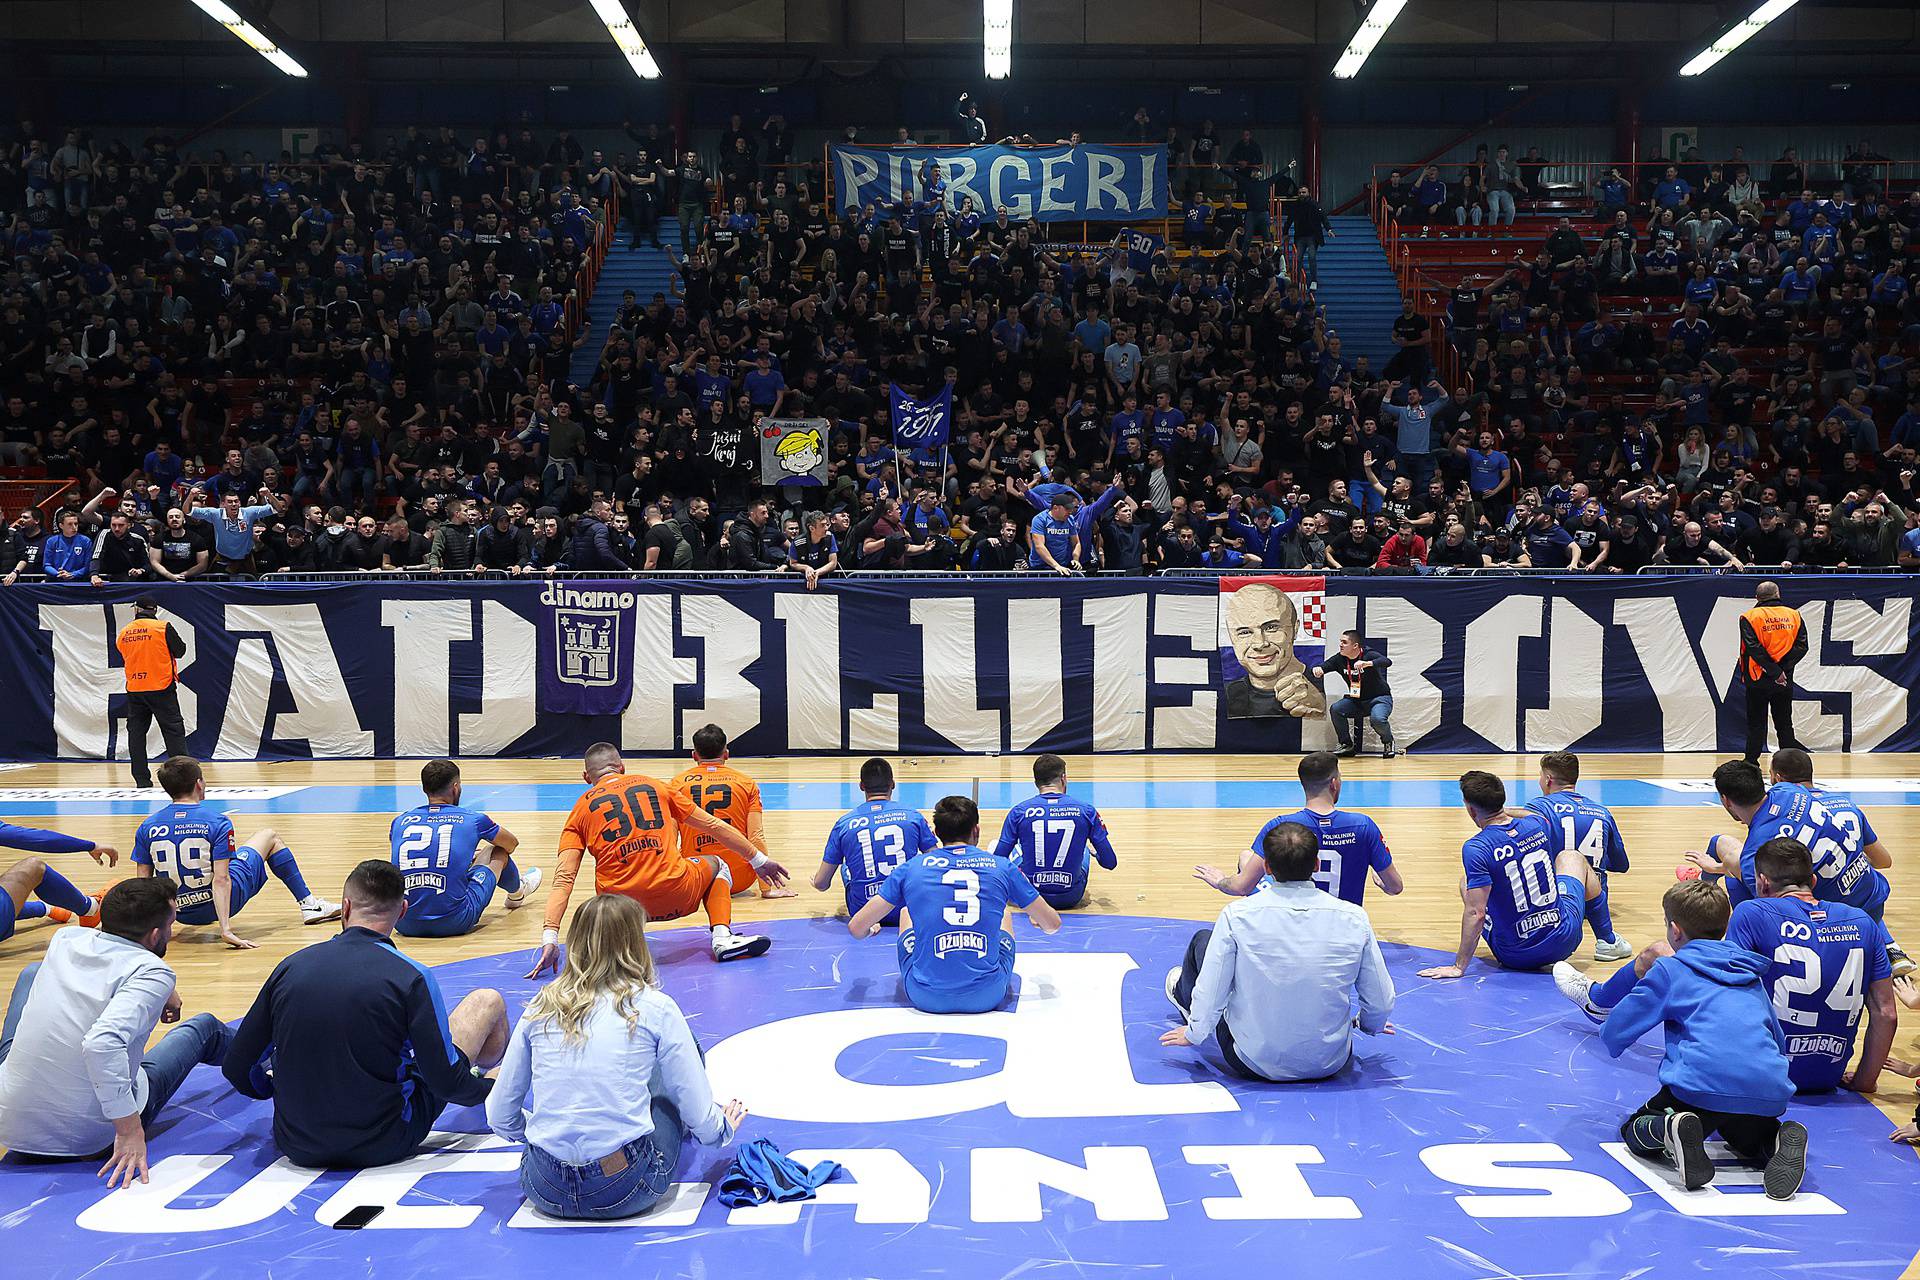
(1047, 837)
(955, 948)
(1528, 901)
(435, 845)
(1351, 845)
(870, 841)
(1588, 828)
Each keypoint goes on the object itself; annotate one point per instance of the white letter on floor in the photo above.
(1569, 1193)
(1271, 1184)
(1118, 1182)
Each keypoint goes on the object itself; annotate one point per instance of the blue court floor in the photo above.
(1052, 1138)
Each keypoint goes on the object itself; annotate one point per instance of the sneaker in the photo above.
(1577, 987)
(529, 881)
(1348, 753)
(1388, 751)
(91, 920)
(317, 910)
(1901, 961)
(1687, 1148)
(1618, 949)
(1173, 986)
(739, 946)
(1789, 1163)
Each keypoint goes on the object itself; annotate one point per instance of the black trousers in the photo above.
(1183, 990)
(1763, 695)
(1751, 1137)
(142, 710)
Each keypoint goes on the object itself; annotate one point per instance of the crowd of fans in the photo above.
(248, 368)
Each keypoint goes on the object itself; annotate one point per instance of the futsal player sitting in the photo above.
(955, 948)
(602, 1079)
(191, 843)
(1276, 980)
(713, 784)
(32, 890)
(1527, 901)
(1792, 764)
(76, 1076)
(1825, 962)
(434, 846)
(1350, 843)
(1047, 837)
(354, 1043)
(1725, 1067)
(1588, 828)
(869, 841)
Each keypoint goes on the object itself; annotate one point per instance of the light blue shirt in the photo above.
(233, 539)
(581, 1101)
(1282, 968)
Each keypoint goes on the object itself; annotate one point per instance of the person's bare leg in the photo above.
(1575, 864)
(479, 1028)
(21, 879)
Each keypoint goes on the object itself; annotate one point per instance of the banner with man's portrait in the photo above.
(1272, 631)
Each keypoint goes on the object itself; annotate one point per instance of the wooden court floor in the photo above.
(1158, 848)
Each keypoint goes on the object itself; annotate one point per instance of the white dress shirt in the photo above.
(75, 1064)
(581, 1101)
(1283, 968)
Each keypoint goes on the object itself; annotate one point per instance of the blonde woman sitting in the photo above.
(602, 1079)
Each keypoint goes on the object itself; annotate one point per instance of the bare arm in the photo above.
(1473, 913)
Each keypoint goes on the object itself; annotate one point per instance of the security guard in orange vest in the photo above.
(149, 652)
(1772, 640)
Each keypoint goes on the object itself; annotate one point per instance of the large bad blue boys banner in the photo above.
(1090, 182)
(948, 666)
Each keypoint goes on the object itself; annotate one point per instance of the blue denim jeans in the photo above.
(1348, 712)
(562, 1190)
(202, 1038)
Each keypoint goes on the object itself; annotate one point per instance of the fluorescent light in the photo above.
(224, 14)
(627, 36)
(1372, 28)
(1745, 30)
(997, 17)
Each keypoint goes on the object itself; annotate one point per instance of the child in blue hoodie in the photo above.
(1725, 1068)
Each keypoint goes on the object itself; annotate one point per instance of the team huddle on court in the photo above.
(1774, 947)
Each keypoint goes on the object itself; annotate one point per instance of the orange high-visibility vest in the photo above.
(1778, 627)
(144, 654)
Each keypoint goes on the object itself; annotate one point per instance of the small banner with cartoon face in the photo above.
(793, 451)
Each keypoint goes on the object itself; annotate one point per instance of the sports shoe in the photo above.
(91, 920)
(529, 881)
(1173, 986)
(317, 910)
(1618, 949)
(1348, 753)
(1901, 961)
(1388, 751)
(1789, 1163)
(1577, 987)
(728, 945)
(1687, 1148)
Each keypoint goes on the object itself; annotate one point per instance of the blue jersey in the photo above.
(433, 846)
(870, 841)
(1826, 957)
(1513, 860)
(956, 899)
(182, 842)
(1350, 846)
(1047, 836)
(1841, 870)
(1583, 826)
(1058, 536)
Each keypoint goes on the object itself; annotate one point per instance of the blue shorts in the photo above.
(1553, 946)
(6, 917)
(890, 921)
(247, 876)
(460, 906)
(983, 996)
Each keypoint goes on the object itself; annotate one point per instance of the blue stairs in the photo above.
(1359, 292)
(645, 270)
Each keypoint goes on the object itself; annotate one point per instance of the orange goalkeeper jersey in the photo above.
(631, 826)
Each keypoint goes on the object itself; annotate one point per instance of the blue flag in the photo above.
(922, 424)
(586, 635)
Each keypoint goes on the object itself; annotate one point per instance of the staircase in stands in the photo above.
(1358, 290)
(645, 270)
